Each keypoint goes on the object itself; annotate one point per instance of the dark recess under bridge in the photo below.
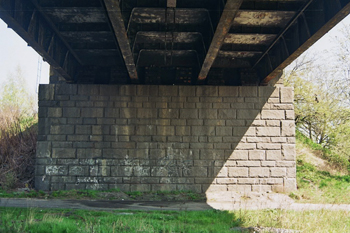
(185, 42)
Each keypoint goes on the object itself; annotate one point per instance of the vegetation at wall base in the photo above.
(113, 194)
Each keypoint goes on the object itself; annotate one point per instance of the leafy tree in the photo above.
(16, 103)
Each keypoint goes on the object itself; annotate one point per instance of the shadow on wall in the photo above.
(150, 138)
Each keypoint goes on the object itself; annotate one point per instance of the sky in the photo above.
(14, 53)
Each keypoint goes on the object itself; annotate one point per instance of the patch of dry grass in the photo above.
(305, 221)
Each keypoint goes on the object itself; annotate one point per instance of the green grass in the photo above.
(62, 221)
(336, 160)
(35, 220)
(315, 186)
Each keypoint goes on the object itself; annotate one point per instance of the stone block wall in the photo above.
(150, 138)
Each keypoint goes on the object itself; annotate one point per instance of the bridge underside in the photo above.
(150, 95)
(186, 42)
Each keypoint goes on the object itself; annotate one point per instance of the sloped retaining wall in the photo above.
(149, 138)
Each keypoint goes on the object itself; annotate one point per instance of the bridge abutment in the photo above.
(150, 138)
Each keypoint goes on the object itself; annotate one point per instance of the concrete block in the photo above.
(203, 130)
(165, 130)
(89, 121)
(147, 90)
(111, 112)
(228, 181)
(248, 163)
(272, 114)
(291, 172)
(288, 152)
(168, 90)
(46, 92)
(83, 129)
(187, 91)
(287, 95)
(268, 131)
(278, 172)
(248, 91)
(92, 112)
(78, 138)
(269, 92)
(290, 185)
(176, 105)
(228, 91)
(268, 163)
(227, 114)
(127, 90)
(278, 140)
(78, 170)
(71, 112)
(290, 115)
(54, 112)
(204, 105)
(146, 113)
(62, 144)
(64, 153)
(183, 130)
(268, 146)
(240, 188)
(209, 100)
(123, 145)
(100, 129)
(122, 130)
(246, 146)
(239, 155)
(189, 113)
(223, 131)
(221, 105)
(207, 91)
(142, 171)
(238, 172)
(288, 128)
(128, 113)
(43, 149)
(259, 172)
(261, 188)
(56, 170)
(216, 188)
(78, 98)
(273, 123)
(285, 164)
(169, 113)
(89, 90)
(208, 113)
(259, 139)
(145, 130)
(248, 114)
(256, 155)
(244, 131)
(274, 155)
(66, 89)
(196, 172)
(115, 153)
